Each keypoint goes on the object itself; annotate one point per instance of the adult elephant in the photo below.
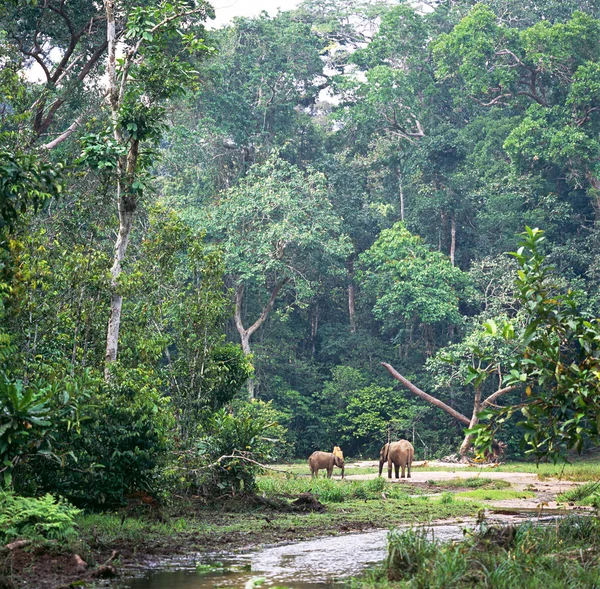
(326, 460)
(399, 454)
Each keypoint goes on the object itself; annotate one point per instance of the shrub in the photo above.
(234, 443)
(44, 518)
(115, 452)
(408, 552)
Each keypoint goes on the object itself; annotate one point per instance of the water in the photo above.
(312, 564)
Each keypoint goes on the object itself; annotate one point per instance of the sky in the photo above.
(226, 9)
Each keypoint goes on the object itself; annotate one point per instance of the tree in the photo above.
(151, 71)
(276, 228)
(551, 71)
(559, 367)
(411, 286)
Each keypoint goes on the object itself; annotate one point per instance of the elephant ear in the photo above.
(383, 455)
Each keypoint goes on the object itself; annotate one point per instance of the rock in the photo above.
(78, 564)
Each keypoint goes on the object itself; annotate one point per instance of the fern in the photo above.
(36, 519)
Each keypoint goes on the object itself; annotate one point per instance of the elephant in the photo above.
(327, 460)
(400, 454)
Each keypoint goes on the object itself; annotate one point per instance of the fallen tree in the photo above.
(478, 404)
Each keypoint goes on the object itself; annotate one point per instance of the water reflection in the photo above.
(304, 565)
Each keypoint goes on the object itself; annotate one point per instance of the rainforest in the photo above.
(224, 247)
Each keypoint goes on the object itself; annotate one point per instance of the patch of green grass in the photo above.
(327, 490)
(581, 492)
(495, 494)
(580, 471)
(550, 557)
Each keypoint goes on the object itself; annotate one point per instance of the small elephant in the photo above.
(327, 460)
(400, 454)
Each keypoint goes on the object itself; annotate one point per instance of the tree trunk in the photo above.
(478, 405)
(351, 297)
(417, 391)
(464, 447)
(314, 328)
(246, 334)
(400, 193)
(116, 300)
(452, 239)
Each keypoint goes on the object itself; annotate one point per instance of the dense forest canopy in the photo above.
(275, 208)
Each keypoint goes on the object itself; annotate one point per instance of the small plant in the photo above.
(36, 519)
(408, 551)
(447, 498)
(580, 492)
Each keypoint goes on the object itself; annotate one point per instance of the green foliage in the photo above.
(277, 223)
(409, 283)
(234, 443)
(331, 490)
(31, 418)
(530, 556)
(116, 450)
(26, 180)
(44, 518)
(558, 368)
(580, 492)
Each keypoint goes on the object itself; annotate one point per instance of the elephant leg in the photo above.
(329, 472)
(397, 468)
(408, 468)
(390, 469)
(403, 473)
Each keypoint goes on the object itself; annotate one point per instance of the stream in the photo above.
(310, 564)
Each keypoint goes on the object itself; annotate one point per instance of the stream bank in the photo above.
(188, 530)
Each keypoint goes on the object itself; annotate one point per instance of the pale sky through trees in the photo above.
(227, 9)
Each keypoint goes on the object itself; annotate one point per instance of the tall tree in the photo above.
(153, 69)
(276, 228)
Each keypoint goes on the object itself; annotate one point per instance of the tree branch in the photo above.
(417, 391)
(497, 394)
(268, 307)
(72, 128)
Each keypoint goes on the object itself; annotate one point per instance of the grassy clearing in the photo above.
(331, 490)
(584, 470)
(581, 470)
(495, 494)
(350, 505)
(550, 557)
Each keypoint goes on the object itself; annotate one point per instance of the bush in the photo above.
(32, 417)
(233, 444)
(122, 439)
(36, 519)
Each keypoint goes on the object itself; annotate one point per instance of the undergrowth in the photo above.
(563, 554)
(44, 518)
(331, 490)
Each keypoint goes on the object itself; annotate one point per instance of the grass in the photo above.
(495, 494)
(472, 483)
(351, 505)
(331, 490)
(580, 471)
(564, 554)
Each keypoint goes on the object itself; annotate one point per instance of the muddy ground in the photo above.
(44, 568)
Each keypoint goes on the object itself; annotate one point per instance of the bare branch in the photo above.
(497, 394)
(417, 391)
(72, 128)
